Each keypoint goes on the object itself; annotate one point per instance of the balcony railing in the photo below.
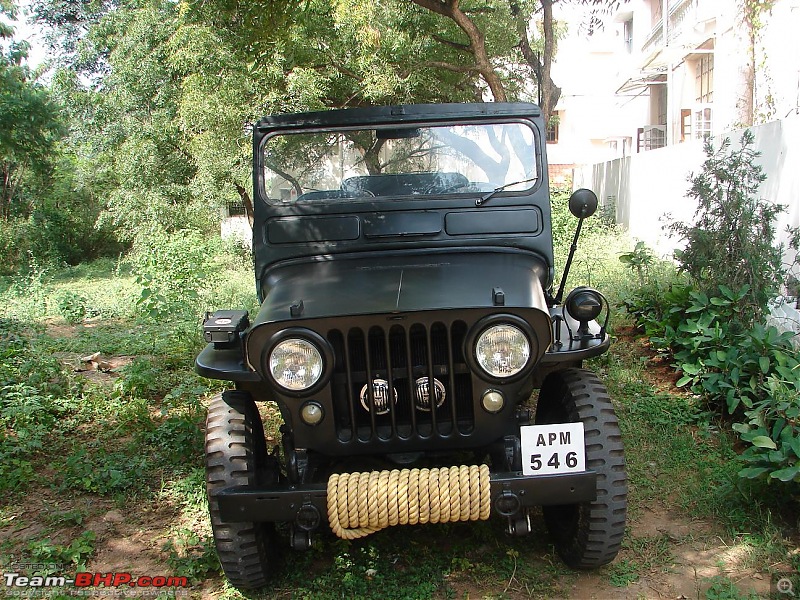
(680, 11)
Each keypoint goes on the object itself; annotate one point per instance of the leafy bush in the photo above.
(76, 553)
(192, 556)
(178, 439)
(170, 270)
(71, 306)
(773, 429)
(641, 258)
(711, 322)
(731, 240)
(104, 473)
(13, 245)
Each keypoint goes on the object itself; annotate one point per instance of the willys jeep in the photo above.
(404, 267)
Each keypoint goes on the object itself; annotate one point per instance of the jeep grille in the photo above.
(393, 357)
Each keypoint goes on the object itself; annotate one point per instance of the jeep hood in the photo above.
(371, 284)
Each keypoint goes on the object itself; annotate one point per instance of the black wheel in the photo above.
(236, 454)
(589, 534)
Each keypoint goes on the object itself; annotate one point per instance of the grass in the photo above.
(132, 441)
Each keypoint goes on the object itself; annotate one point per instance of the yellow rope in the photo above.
(363, 503)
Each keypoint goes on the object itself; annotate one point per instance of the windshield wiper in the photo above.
(484, 199)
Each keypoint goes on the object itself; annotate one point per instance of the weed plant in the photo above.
(134, 436)
(709, 316)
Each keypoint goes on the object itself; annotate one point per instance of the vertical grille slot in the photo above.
(388, 381)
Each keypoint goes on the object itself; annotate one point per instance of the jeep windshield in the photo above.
(398, 162)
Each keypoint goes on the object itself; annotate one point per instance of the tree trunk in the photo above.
(248, 204)
(549, 92)
(5, 201)
(477, 42)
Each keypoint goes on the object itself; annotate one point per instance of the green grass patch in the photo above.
(135, 436)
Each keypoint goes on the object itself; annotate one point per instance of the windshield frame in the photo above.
(534, 164)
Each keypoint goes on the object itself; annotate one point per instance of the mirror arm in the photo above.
(560, 295)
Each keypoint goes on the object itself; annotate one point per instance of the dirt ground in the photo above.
(132, 543)
(691, 551)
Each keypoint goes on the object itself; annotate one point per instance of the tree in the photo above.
(476, 45)
(515, 16)
(29, 125)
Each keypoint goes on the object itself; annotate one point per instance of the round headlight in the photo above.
(502, 350)
(295, 364)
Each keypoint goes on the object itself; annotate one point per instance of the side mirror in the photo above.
(583, 203)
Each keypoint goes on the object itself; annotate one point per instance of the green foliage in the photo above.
(13, 245)
(772, 429)
(731, 240)
(192, 556)
(76, 553)
(623, 573)
(29, 127)
(722, 588)
(143, 378)
(71, 306)
(639, 259)
(35, 399)
(104, 473)
(178, 439)
(749, 372)
(170, 270)
(712, 325)
(600, 243)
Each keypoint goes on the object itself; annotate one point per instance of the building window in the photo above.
(627, 35)
(552, 129)
(702, 123)
(696, 123)
(705, 79)
(686, 124)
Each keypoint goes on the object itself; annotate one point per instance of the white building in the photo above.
(594, 122)
(663, 72)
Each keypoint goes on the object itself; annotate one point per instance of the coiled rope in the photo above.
(362, 503)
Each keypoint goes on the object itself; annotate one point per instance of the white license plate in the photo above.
(552, 449)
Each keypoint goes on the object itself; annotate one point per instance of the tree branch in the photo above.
(451, 67)
(477, 42)
(456, 45)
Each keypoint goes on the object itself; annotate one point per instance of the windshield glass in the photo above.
(328, 166)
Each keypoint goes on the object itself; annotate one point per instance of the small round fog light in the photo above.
(492, 401)
(584, 304)
(312, 413)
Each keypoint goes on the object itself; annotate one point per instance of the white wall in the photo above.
(648, 185)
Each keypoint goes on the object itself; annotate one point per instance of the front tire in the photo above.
(236, 454)
(589, 534)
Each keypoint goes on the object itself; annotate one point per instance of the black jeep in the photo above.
(404, 266)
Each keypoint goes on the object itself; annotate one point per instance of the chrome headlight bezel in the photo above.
(489, 324)
(312, 341)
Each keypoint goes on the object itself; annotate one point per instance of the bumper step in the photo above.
(509, 492)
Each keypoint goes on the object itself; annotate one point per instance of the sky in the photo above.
(23, 31)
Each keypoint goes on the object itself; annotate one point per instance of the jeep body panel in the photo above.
(394, 217)
(404, 268)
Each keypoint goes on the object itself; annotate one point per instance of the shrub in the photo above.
(170, 268)
(71, 306)
(772, 429)
(13, 245)
(712, 322)
(731, 240)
